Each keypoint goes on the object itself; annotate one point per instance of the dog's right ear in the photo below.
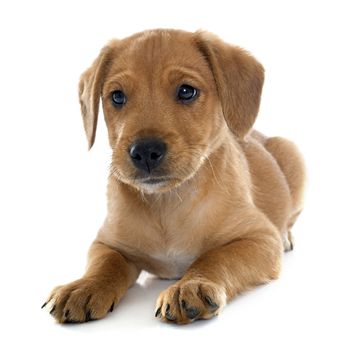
(90, 87)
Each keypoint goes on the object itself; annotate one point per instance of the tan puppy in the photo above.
(193, 193)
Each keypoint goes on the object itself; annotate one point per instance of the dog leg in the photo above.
(106, 280)
(219, 275)
(292, 165)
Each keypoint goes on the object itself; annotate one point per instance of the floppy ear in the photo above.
(90, 87)
(239, 78)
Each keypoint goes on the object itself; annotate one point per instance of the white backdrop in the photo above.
(52, 191)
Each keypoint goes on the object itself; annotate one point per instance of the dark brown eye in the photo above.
(186, 93)
(118, 98)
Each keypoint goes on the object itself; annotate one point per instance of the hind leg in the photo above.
(291, 163)
(288, 241)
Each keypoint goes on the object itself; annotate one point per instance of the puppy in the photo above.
(194, 194)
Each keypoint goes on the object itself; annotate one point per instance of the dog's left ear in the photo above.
(239, 78)
(90, 87)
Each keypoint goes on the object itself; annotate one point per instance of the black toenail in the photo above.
(212, 305)
(192, 312)
(111, 308)
(44, 305)
(53, 309)
(168, 316)
(157, 312)
(66, 314)
(88, 316)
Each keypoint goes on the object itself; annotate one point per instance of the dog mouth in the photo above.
(152, 184)
(154, 180)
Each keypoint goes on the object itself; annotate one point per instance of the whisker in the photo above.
(178, 195)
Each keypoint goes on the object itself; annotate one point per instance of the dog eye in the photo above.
(186, 93)
(118, 98)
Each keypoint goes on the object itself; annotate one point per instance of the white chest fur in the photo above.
(174, 263)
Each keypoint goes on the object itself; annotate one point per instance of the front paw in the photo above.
(83, 300)
(187, 301)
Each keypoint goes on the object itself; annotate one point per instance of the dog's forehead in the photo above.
(153, 50)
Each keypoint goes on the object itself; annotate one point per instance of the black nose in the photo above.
(147, 154)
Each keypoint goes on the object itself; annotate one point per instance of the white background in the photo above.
(52, 191)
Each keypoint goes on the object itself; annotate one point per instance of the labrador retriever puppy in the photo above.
(194, 194)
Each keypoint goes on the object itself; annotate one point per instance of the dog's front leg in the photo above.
(220, 274)
(106, 280)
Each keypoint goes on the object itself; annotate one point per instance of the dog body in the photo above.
(194, 193)
(164, 233)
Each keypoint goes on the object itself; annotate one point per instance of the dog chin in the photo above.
(163, 184)
(158, 187)
(150, 186)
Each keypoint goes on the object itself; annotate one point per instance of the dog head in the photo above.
(167, 96)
